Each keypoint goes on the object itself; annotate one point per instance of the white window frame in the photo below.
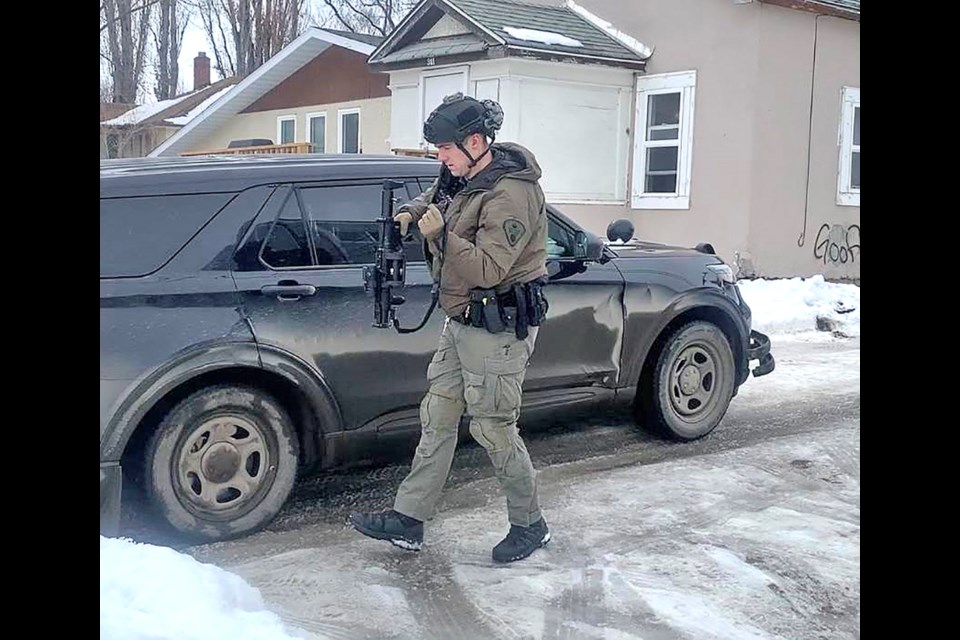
(280, 121)
(847, 195)
(482, 87)
(310, 119)
(684, 82)
(340, 114)
(423, 110)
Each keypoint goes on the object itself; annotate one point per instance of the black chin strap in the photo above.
(478, 158)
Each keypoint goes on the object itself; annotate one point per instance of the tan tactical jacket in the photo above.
(495, 232)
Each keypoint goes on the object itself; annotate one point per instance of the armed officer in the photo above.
(484, 222)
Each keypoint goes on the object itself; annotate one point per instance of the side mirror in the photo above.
(621, 230)
(587, 246)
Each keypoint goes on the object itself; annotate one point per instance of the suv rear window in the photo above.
(139, 235)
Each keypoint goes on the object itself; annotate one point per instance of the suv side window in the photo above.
(321, 226)
(138, 235)
(286, 244)
(560, 240)
(343, 222)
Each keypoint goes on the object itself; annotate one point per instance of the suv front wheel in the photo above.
(222, 462)
(692, 383)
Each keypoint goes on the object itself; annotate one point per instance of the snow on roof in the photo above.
(546, 37)
(197, 110)
(144, 111)
(626, 40)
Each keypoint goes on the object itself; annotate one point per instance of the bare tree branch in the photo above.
(246, 33)
(125, 42)
(362, 15)
(105, 23)
(340, 18)
(169, 29)
(377, 17)
(242, 34)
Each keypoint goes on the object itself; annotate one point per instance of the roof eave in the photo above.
(553, 54)
(346, 43)
(818, 8)
(458, 58)
(549, 55)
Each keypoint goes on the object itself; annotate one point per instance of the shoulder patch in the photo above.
(514, 230)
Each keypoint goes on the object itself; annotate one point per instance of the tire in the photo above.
(691, 385)
(222, 462)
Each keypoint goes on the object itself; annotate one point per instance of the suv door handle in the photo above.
(291, 291)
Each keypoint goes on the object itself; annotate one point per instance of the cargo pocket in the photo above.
(428, 434)
(477, 393)
(505, 376)
(436, 365)
(444, 362)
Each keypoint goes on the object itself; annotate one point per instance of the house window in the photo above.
(663, 142)
(848, 184)
(348, 134)
(317, 127)
(286, 129)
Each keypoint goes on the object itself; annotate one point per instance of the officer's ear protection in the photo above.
(492, 118)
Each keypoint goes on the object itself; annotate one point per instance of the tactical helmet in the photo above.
(459, 116)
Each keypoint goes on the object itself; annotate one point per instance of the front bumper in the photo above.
(759, 349)
(110, 479)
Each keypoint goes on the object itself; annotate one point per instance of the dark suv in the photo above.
(237, 352)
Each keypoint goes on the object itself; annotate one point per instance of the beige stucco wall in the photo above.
(753, 133)
(797, 227)
(718, 40)
(374, 125)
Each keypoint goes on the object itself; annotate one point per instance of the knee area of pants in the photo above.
(440, 410)
(493, 435)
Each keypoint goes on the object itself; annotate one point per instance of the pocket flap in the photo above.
(506, 366)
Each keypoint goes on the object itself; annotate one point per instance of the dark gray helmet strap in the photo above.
(467, 153)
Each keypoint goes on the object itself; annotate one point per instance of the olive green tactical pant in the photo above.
(481, 372)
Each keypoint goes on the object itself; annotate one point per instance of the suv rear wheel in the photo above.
(691, 384)
(222, 462)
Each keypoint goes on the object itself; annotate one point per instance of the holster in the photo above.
(520, 293)
(532, 306)
(519, 308)
(485, 310)
(537, 305)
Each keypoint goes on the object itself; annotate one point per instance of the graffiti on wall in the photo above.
(837, 244)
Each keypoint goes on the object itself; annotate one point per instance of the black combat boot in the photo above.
(400, 530)
(522, 541)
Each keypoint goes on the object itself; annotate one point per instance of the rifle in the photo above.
(389, 271)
